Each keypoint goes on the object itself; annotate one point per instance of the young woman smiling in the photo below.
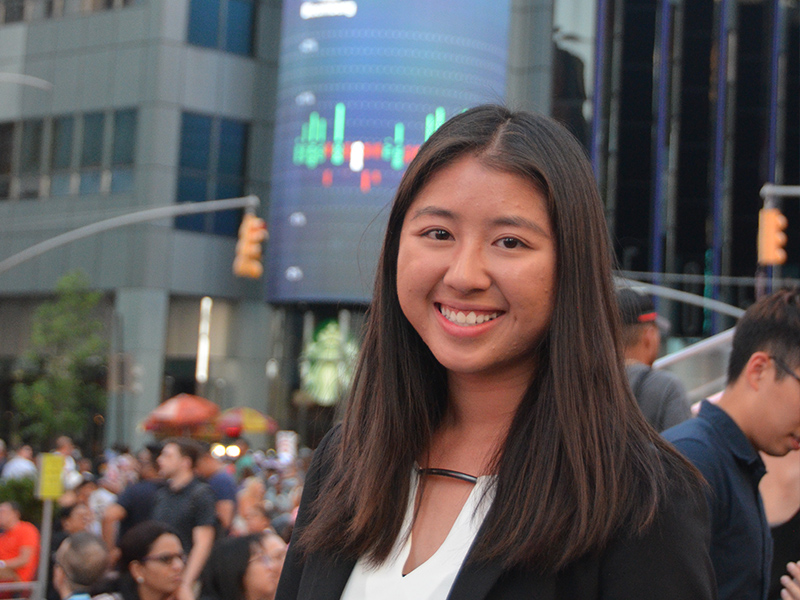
(491, 447)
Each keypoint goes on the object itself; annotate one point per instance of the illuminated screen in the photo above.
(361, 86)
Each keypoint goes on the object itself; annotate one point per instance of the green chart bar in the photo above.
(433, 121)
(317, 133)
(399, 149)
(337, 153)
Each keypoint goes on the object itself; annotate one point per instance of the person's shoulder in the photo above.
(664, 378)
(198, 486)
(222, 477)
(695, 439)
(28, 530)
(692, 431)
(107, 596)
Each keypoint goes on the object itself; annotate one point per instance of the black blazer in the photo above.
(670, 561)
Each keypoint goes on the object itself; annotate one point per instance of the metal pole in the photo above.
(150, 214)
(44, 550)
(598, 100)
(661, 162)
(664, 292)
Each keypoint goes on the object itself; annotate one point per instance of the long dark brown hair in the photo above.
(579, 462)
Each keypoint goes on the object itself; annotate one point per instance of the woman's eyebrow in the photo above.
(433, 211)
(517, 221)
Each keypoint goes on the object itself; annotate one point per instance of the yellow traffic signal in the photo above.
(771, 238)
(252, 232)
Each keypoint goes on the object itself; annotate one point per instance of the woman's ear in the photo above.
(136, 569)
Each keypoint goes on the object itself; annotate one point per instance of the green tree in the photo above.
(59, 379)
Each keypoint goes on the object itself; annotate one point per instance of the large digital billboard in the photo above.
(361, 85)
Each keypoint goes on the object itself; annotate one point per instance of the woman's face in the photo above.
(476, 269)
(79, 519)
(161, 570)
(264, 569)
(256, 521)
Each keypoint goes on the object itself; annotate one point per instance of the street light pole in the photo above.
(29, 80)
(141, 216)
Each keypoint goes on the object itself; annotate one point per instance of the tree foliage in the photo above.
(59, 379)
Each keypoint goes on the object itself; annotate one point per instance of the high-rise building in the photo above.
(128, 105)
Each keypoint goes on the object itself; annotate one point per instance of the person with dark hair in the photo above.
(244, 568)
(660, 394)
(135, 504)
(491, 447)
(73, 518)
(759, 410)
(187, 504)
(80, 561)
(21, 465)
(19, 545)
(151, 563)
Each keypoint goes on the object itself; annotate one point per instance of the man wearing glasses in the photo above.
(759, 410)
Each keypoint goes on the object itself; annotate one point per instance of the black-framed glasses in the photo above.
(785, 368)
(166, 559)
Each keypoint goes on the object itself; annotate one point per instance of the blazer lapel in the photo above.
(475, 580)
(324, 578)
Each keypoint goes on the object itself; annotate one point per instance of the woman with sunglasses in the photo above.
(244, 568)
(151, 562)
(491, 447)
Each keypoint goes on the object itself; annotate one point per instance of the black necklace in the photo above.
(449, 473)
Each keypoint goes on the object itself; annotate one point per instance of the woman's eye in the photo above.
(510, 243)
(438, 234)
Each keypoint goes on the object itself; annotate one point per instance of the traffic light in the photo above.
(252, 232)
(771, 238)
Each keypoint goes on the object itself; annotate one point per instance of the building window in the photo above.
(61, 156)
(239, 27)
(204, 23)
(212, 166)
(30, 159)
(92, 153)
(6, 144)
(13, 11)
(222, 24)
(87, 154)
(123, 151)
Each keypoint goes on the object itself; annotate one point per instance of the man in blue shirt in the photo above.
(759, 410)
(222, 483)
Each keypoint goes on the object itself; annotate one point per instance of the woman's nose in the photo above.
(468, 270)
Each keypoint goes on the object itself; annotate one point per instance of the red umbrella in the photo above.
(243, 419)
(183, 410)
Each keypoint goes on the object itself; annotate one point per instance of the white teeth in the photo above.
(465, 319)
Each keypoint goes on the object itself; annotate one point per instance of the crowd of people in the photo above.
(172, 521)
(505, 436)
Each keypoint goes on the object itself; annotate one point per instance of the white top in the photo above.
(432, 579)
